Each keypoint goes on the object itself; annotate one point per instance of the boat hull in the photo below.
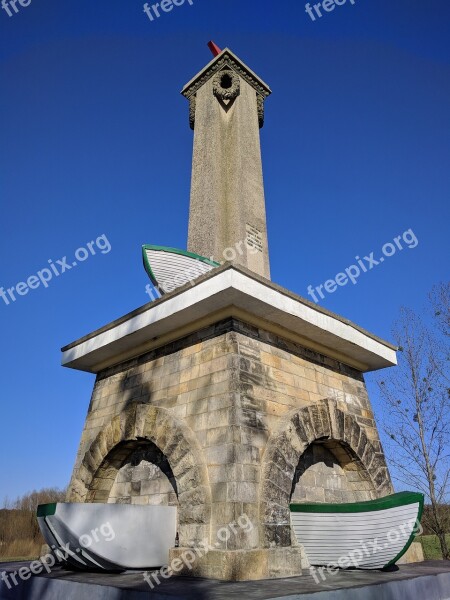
(170, 268)
(365, 535)
(111, 537)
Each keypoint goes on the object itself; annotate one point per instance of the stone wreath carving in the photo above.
(227, 63)
(226, 85)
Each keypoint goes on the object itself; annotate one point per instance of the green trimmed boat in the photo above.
(108, 537)
(171, 268)
(365, 535)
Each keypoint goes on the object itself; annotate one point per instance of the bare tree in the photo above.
(440, 303)
(417, 420)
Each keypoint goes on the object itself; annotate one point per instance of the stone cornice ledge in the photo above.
(229, 291)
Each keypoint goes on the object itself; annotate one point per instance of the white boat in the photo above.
(110, 537)
(170, 268)
(366, 535)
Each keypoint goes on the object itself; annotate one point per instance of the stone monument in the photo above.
(230, 395)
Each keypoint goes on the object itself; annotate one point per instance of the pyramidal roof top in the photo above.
(226, 58)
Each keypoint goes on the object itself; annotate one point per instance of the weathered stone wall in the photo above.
(244, 411)
(191, 379)
(145, 478)
(329, 473)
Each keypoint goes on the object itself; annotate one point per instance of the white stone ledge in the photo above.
(229, 291)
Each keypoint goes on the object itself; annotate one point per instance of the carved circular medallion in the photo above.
(226, 85)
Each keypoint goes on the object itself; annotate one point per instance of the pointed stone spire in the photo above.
(227, 219)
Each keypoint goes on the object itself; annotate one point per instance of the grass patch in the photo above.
(20, 549)
(7, 559)
(431, 546)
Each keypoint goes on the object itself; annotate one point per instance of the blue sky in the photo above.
(95, 141)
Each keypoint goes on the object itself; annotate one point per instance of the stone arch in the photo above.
(329, 471)
(134, 426)
(141, 469)
(301, 427)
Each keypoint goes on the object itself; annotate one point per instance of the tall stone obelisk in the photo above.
(227, 218)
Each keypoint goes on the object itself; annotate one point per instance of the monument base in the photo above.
(241, 565)
(430, 579)
(414, 554)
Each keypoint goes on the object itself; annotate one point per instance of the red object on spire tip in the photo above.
(214, 48)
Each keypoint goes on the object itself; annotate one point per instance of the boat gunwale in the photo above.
(46, 510)
(392, 501)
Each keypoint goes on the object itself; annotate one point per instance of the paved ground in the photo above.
(424, 576)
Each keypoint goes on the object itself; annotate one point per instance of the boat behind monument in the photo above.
(171, 268)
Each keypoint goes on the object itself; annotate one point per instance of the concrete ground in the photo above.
(422, 581)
